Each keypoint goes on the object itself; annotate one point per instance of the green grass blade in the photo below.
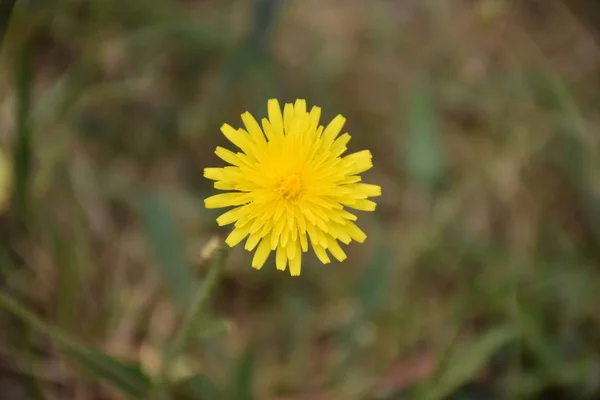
(196, 387)
(6, 10)
(167, 246)
(203, 329)
(371, 289)
(189, 325)
(128, 379)
(466, 362)
(22, 145)
(243, 374)
(425, 156)
(125, 378)
(370, 292)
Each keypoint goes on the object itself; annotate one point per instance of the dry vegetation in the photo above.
(478, 279)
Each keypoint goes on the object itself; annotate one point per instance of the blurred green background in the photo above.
(480, 277)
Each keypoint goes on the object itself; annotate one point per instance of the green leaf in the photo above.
(243, 373)
(196, 387)
(464, 363)
(210, 328)
(126, 378)
(129, 379)
(370, 292)
(545, 89)
(22, 145)
(167, 246)
(371, 288)
(6, 10)
(425, 156)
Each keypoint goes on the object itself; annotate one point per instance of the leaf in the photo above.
(466, 362)
(370, 292)
(210, 328)
(545, 89)
(425, 157)
(243, 373)
(371, 288)
(22, 145)
(129, 379)
(6, 10)
(251, 54)
(167, 246)
(196, 387)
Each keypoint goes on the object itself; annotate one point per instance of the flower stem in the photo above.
(177, 345)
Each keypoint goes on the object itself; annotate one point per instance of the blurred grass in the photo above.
(479, 276)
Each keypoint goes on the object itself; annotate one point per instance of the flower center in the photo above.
(289, 187)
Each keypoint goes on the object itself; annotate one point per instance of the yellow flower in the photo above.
(290, 183)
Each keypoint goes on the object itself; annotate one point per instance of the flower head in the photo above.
(289, 183)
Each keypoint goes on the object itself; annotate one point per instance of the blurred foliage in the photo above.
(477, 280)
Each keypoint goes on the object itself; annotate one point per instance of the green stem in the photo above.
(177, 345)
(20, 311)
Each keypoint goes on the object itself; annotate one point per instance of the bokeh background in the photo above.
(480, 277)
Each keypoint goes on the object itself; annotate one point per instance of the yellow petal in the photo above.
(296, 263)
(322, 225)
(229, 217)
(301, 222)
(363, 205)
(303, 242)
(267, 128)
(288, 116)
(236, 236)
(278, 211)
(281, 258)
(236, 137)
(225, 185)
(226, 200)
(253, 128)
(339, 146)
(346, 215)
(321, 254)
(350, 179)
(252, 241)
(312, 233)
(275, 117)
(367, 189)
(214, 174)
(227, 156)
(300, 107)
(256, 225)
(333, 129)
(309, 215)
(291, 250)
(267, 228)
(262, 253)
(335, 249)
(357, 162)
(355, 232)
(322, 239)
(277, 231)
(339, 233)
(274, 240)
(313, 119)
(285, 236)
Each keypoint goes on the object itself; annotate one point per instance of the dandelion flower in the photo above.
(289, 184)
